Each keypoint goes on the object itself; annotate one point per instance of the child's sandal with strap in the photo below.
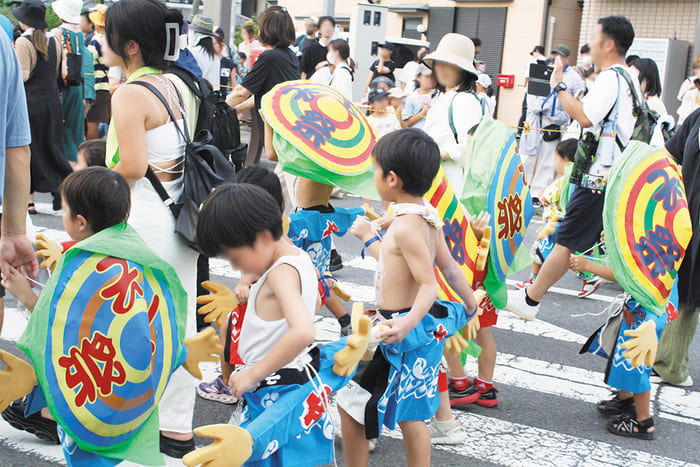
(625, 425)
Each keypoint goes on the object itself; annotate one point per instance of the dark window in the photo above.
(409, 28)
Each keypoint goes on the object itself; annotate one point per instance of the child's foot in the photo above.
(617, 406)
(336, 261)
(523, 306)
(35, 424)
(447, 432)
(524, 284)
(465, 396)
(486, 398)
(590, 287)
(625, 425)
(31, 209)
(216, 391)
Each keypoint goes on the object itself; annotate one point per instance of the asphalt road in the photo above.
(547, 391)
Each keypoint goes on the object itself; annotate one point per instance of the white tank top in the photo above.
(259, 336)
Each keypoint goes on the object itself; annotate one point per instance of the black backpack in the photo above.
(217, 122)
(205, 168)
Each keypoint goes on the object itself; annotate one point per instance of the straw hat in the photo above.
(97, 16)
(32, 13)
(68, 10)
(455, 49)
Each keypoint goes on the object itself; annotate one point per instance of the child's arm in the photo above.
(242, 289)
(362, 229)
(455, 277)
(579, 263)
(417, 256)
(286, 286)
(19, 286)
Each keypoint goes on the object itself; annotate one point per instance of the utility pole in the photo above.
(329, 7)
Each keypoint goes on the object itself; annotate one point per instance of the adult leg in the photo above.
(355, 445)
(416, 442)
(672, 357)
(553, 269)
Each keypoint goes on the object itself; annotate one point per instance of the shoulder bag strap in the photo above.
(185, 134)
(450, 119)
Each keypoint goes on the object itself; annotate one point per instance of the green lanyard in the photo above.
(112, 157)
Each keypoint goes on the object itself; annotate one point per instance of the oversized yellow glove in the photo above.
(48, 250)
(483, 255)
(641, 348)
(456, 344)
(232, 446)
(204, 347)
(340, 293)
(218, 304)
(16, 380)
(370, 213)
(473, 325)
(347, 358)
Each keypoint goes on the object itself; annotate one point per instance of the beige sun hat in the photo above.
(455, 49)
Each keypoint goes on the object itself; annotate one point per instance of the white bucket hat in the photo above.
(68, 10)
(455, 49)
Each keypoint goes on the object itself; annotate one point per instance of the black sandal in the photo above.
(617, 406)
(625, 425)
(31, 209)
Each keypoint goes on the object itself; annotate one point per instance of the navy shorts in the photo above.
(581, 227)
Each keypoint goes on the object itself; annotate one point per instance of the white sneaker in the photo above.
(684, 384)
(447, 432)
(519, 307)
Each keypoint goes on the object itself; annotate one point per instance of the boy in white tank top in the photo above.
(243, 223)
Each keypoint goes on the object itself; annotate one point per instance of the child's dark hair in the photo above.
(94, 152)
(141, 21)
(567, 149)
(265, 179)
(412, 155)
(100, 195)
(233, 215)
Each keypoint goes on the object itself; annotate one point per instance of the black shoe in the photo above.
(465, 396)
(488, 398)
(56, 201)
(336, 261)
(35, 424)
(174, 448)
(617, 406)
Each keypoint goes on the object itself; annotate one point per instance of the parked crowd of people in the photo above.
(109, 88)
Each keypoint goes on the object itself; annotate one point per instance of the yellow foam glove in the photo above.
(218, 304)
(49, 250)
(16, 380)
(347, 358)
(204, 347)
(370, 213)
(456, 344)
(484, 245)
(642, 346)
(340, 293)
(473, 325)
(232, 446)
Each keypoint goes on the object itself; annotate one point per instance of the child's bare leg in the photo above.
(335, 306)
(641, 403)
(226, 367)
(355, 445)
(444, 412)
(536, 268)
(487, 359)
(417, 443)
(454, 363)
(2, 312)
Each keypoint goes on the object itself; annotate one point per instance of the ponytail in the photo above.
(343, 48)
(41, 43)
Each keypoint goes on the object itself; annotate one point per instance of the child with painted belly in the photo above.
(400, 384)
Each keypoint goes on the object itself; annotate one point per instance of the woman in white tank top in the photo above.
(144, 137)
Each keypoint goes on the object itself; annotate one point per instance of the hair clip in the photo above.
(172, 42)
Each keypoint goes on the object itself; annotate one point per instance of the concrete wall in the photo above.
(663, 19)
(567, 26)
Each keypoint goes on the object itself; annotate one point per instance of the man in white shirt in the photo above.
(609, 100)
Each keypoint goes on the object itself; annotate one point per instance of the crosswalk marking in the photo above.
(513, 444)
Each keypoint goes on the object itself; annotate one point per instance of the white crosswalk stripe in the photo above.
(490, 438)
